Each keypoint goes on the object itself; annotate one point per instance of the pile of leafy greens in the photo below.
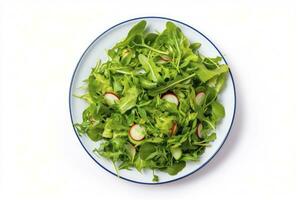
(139, 71)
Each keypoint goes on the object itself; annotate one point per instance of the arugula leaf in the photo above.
(170, 85)
(175, 168)
(129, 101)
(155, 178)
(136, 30)
(146, 84)
(98, 84)
(218, 111)
(212, 63)
(150, 67)
(94, 134)
(195, 46)
(131, 151)
(220, 82)
(146, 150)
(164, 123)
(139, 164)
(205, 74)
(212, 137)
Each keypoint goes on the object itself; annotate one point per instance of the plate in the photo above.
(97, 50)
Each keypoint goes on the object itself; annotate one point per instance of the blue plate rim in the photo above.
(70, 95)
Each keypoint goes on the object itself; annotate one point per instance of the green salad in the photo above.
(154, 103)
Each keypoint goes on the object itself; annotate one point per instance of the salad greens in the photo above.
(154, 103)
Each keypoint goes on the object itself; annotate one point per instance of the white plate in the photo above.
(97, 50)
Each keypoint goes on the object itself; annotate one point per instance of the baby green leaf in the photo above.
(170, 85)
(205, 74)
(137, 29)
(149, 67)
(146, 150)
(195, 46)
(218, 111)
(129, 100)
(175, 168)
(155, 178)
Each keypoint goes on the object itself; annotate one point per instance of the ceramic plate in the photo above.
(97, 50)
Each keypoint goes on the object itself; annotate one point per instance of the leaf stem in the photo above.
(116, 168)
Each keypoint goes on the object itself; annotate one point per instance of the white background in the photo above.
(40, 44)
